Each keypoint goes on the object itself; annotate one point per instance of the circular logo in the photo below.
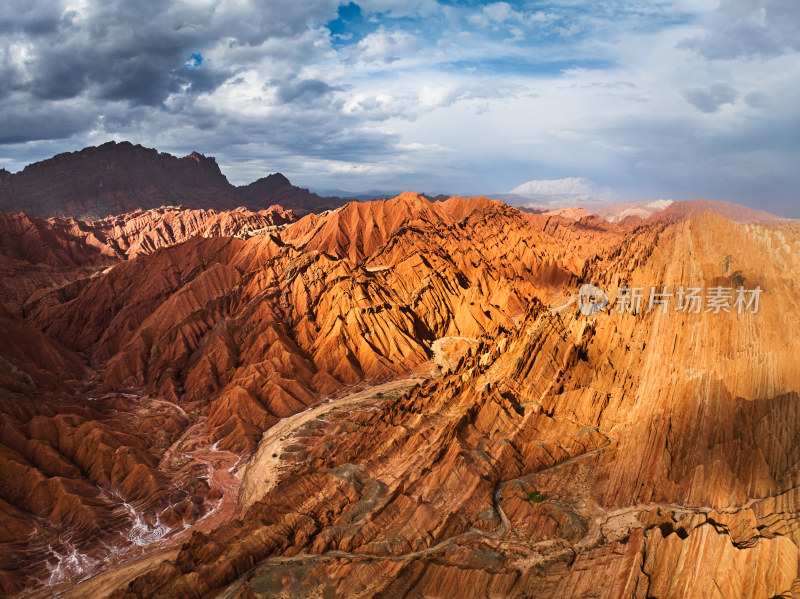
(591, 299)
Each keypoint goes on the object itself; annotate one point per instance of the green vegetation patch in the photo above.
(536, 497)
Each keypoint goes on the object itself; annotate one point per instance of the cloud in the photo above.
(214, 72)
(711, 99)
(144, 51)
(303, 92)
(59, 120)
(36, 18)
(457, 97)
(402, 8)
(492, 13)
(498, 13)
(385, 46)
(569, 191)
(749, 29)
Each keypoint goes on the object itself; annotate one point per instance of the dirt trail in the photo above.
(261, 473)
(227, 475)
(107, 582)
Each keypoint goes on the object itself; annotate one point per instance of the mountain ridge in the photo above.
(120, 177)
(156, 360)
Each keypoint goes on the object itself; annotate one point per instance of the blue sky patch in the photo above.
(350, 26)
(195, 61)
(651, 98)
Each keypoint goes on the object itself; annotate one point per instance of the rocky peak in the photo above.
(267, 184)
(120, 177)
(206, 162)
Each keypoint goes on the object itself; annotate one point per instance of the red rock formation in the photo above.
(31, 361)
(655, 452)
(77, 477)
(358, 229)
(574, 213)
(244, 332)
(740, 214)
(265, 327)
(276, 189)
(619, 211)
(128, 235)
(36, 254)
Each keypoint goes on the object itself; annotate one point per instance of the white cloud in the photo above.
(749, 28)
(436, 96)
(569, 191)
(478, 19)
(385, 46)
(652, 98)
(501, 12)
(401, 8)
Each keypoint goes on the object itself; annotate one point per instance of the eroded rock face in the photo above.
(66, 241)
(678, 211)
(82, 485)
(222, 336)
(263, 326)
(546, 453)
(37, 254)
(617, 455)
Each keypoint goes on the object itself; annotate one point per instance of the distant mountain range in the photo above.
(116, 178)
(648, 210)
(665, 211)
(406, 393)
(119, 177)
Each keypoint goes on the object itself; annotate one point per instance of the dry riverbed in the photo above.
(260, 475)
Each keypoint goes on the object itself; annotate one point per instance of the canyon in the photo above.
(396, 398)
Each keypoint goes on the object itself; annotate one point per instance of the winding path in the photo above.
(261, 473)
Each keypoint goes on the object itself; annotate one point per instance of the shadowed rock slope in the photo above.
(171, 365)
(614, 455)
(37, 254)
(116, 178)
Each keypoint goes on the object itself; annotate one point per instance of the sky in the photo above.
(634, 100)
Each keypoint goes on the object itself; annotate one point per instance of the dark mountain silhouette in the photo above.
(116, 178)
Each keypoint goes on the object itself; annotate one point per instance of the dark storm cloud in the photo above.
(25, 122)
(710, 99)
(29, 17)
(750, 28)
(136, 51)
(136, 69)
(132, 51)
(305, 91)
